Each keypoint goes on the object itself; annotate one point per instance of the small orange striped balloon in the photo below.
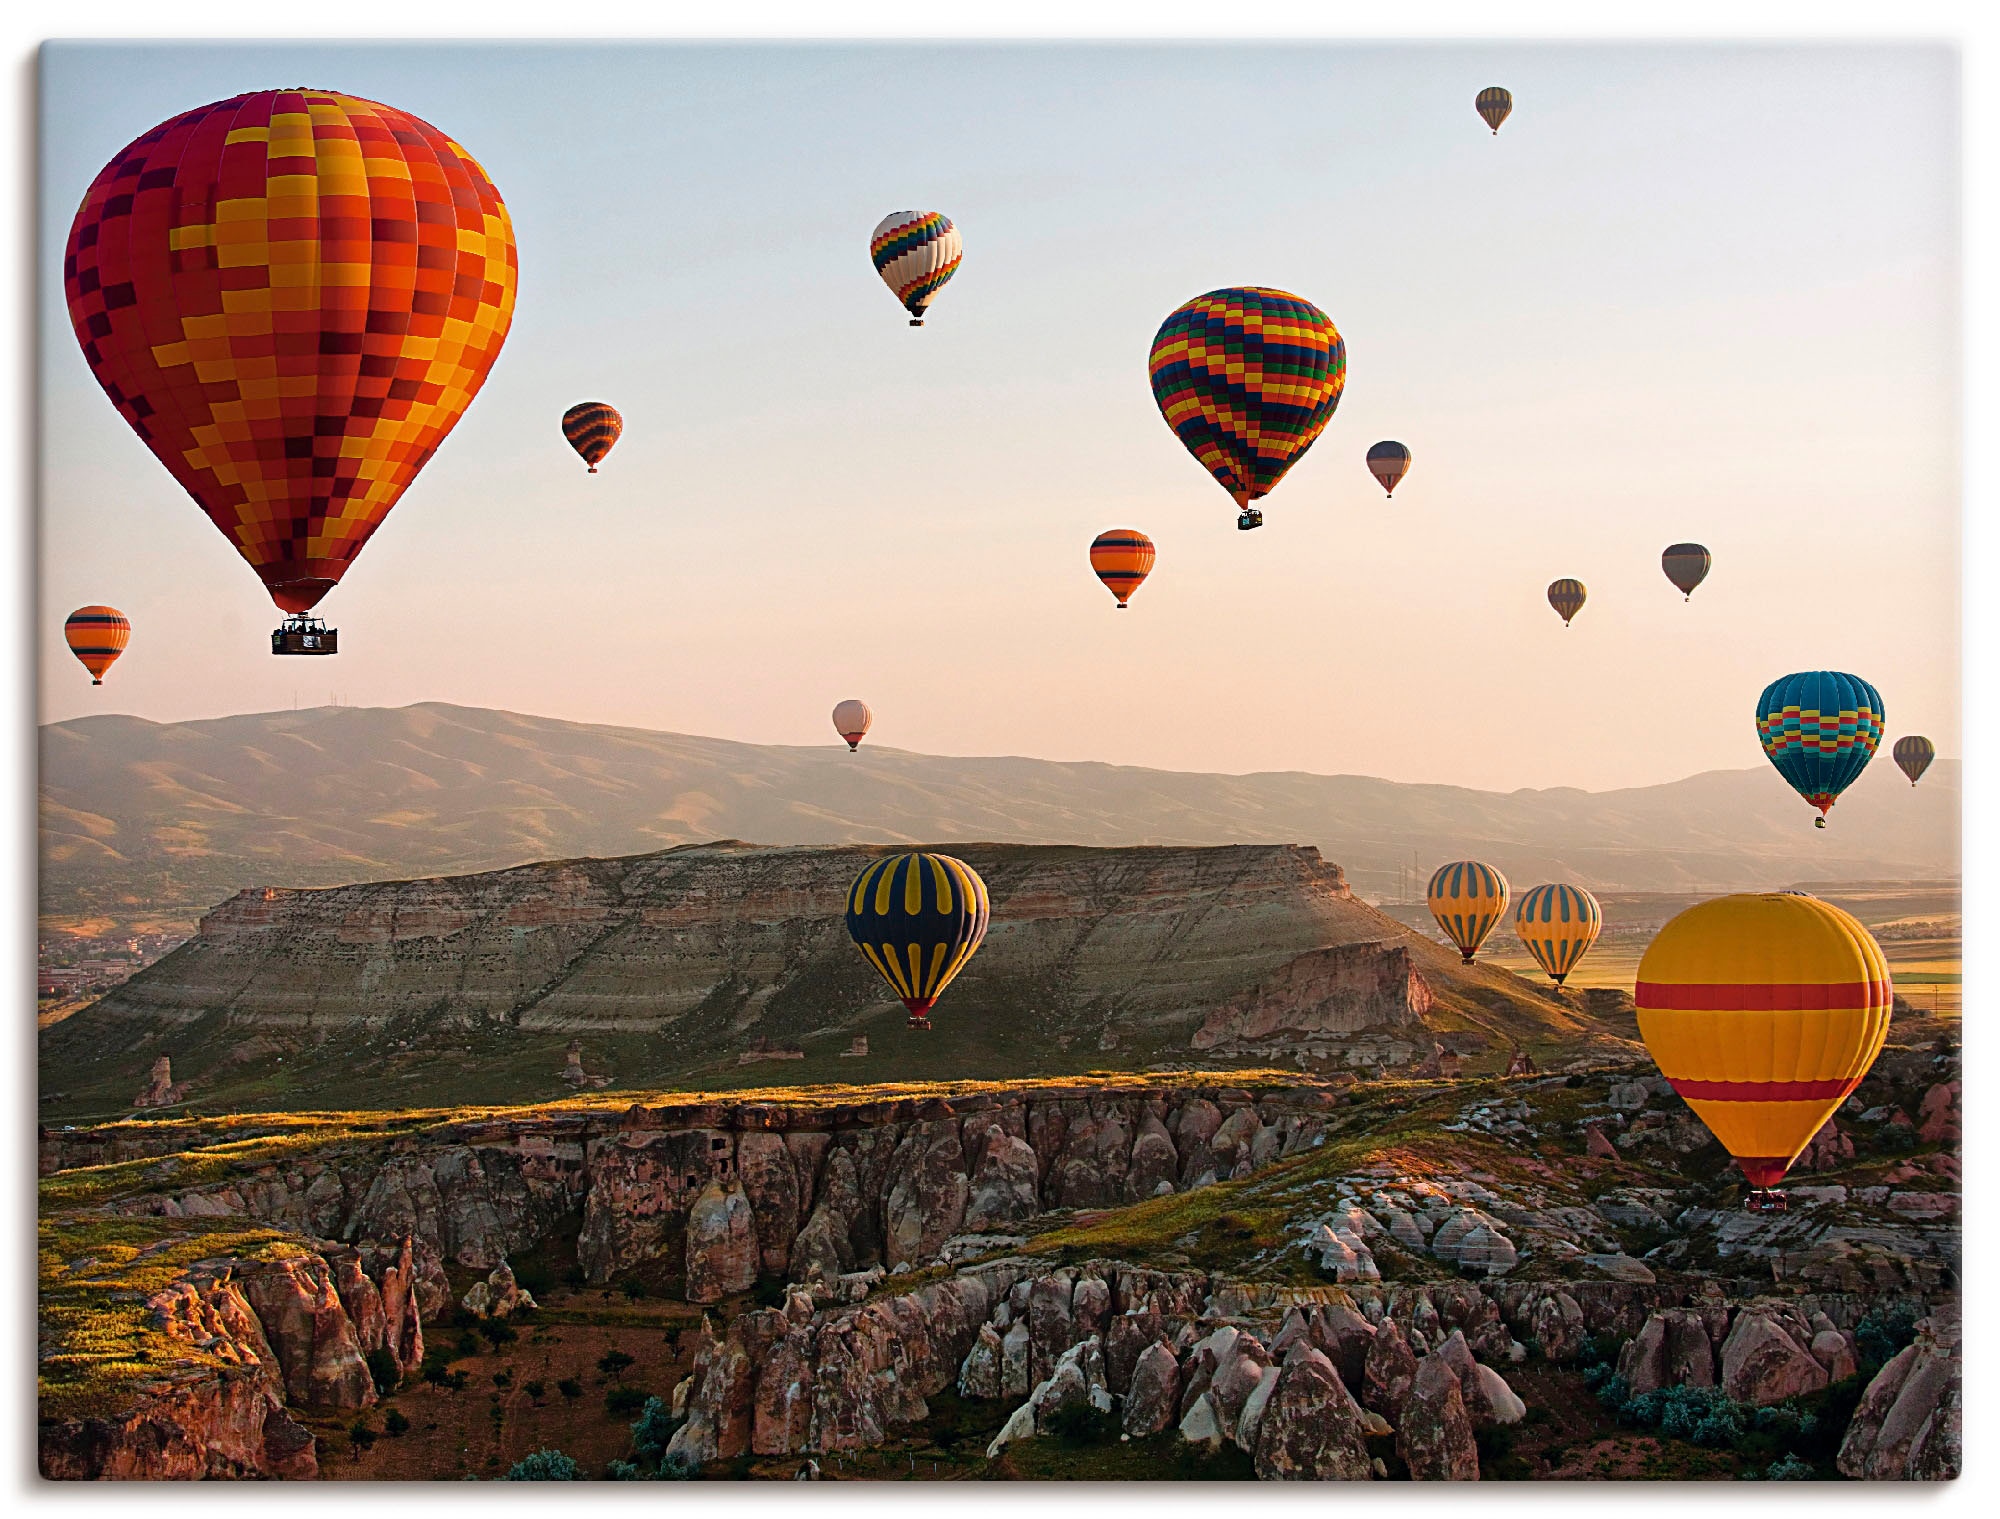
(592, 427)
(97, 636)
(1123, 558)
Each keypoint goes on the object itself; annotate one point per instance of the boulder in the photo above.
(782, 1404)
(1434, 1433)
(1311, 1429)
(1020, 1425)
(1388, 1372)
(1051, 1324)
(1153, 1393)
(499, 1296)
(1831, 1349)
(1344, 1337)
(1015, 1359)
(309, 1332)
(980, 1374)
(1628, 1096)
(1762, 1363)
(1595, 1143)
(1909, 1423)
(1939, 1118)
(1090, 1307)
(1236, 1377)
(770, 1181)
(1126, 1339)
(1671, 1349)
(1201, 1424)
(1556, 1326)
(723, 1254)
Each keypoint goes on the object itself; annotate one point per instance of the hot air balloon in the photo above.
(97, 636)
(1247, 378)
(1467, 899)
(292, 296)
(1388, 463)
(1558, 924)
(1686, 565)
(1820, 728)
(1567, 597)
(918, 918)
(915, 252)
(1122, 557)
(850, 720)
(1494, 105)
(1764, 1011)
(1913, 752)
(592, 427)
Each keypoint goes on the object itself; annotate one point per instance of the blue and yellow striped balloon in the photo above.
(918, 918)
(1556, 925)
(1820, 728)
(1467, 899)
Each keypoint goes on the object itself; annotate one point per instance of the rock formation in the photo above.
(1909, 1425)
(161, 1089)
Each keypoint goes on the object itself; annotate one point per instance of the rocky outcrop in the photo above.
(1763, 1361)
(1152, 1396)
(1434, 1433)
(723, 1255)
(1311, 1430)
(161, 1090)
(1672, 1349)
(499, 1296)
(1910, 1422)
(229, 1424)
(1322, 996)
(319, 1354)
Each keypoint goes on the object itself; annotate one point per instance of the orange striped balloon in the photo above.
(1123, 558)
(592, 427)
(97, 636)
(1764, 1011)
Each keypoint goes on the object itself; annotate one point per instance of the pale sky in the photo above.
(1689, 292)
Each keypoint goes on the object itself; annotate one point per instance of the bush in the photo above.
(458, 1381)
(498, 1331)
(503, 1379)
(1081, 1424)
(363, 1434)
(396, 1424)
(384, 1371)
(436, 1372)
(651, 1430)
(570, 1388)
(624, 1471)
(632, 1287)
(467, 1344)
(1882, 1333)
(614, 1364)
(679, 1468)
(1790, 1469)
(544, 1466)
(624, 1400)
(535, 1390)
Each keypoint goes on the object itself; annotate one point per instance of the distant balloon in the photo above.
(1122, 557)
(1494, 105)
(918, 918)
(1764, 1012)
(1567, 597)
(97, 636)
(1913, 754)
(850, 720)
(292, 296)
(1686, 565)
(1247, 378)
(1388, 463)
(1820, 728)
(592, 427)
(915, 252)
(1557, 924)
(1467, 899)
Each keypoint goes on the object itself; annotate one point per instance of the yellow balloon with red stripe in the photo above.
(1764, 1012)
(918, 918)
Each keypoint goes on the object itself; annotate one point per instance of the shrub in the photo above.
(1081, 1424)
(382, 1368)
(632, 1287)
(363, 1434)
(544, 1466)
(458, 1381)
(1883, 1332)
(624, 1400)
(652, 1429)
(535, 1390)
(436, 1372)
(395, 1423)
(498, 1331)
(679, 1467)
(624, 1471)
(570, 1388)
(467, 1344)
(503, 1379)
(614, 1364)
(1790, 1469)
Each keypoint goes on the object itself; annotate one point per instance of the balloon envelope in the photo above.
(1686, 565)
(292, 296)
(1764, 1011)
(915, 252)
(1388, 462)
(1123, 558)
(918, 918)
(1820, 728)
(97, 636)
(1557, 924)
(851, 720)
(1467, 899)
(1913, 754)
(1567, 597)
(1247, 378)
(1494, 105)
(592, 427)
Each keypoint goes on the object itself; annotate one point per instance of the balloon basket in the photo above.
(921, 1023)
(305, 635)
(1764, 1201)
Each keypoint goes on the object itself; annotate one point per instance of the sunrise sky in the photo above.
(1689, 292)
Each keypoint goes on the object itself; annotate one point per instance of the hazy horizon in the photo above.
(1691, 291)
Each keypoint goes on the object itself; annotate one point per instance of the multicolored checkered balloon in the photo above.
(292, 296)
(1247, 379)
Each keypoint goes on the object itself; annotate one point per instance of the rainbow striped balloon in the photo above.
(915, 252)
(918, 918)
(1248, 378)
(1557, 925)
(1467, 899)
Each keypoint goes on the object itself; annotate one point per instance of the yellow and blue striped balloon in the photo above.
(1556, 925)
(1467, 899)
(918, 918)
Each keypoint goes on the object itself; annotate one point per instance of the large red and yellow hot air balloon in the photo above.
(918, 918)
(1764, 1011)
(1248, 378)
(1557, 925)
(1122, 558)
(97, 636)
(1467, 899)
(292, 296)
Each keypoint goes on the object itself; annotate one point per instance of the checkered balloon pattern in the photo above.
(292, 296)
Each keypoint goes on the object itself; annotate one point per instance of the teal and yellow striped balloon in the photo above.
(918, 918)
(1467, 899)
(1557, 924)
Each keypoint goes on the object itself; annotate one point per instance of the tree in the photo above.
(614, 1364)
(360, 1436)
(544, 1466)
(382, 1367)
(570, 1388)
(535, 1389)
(396, 1424)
